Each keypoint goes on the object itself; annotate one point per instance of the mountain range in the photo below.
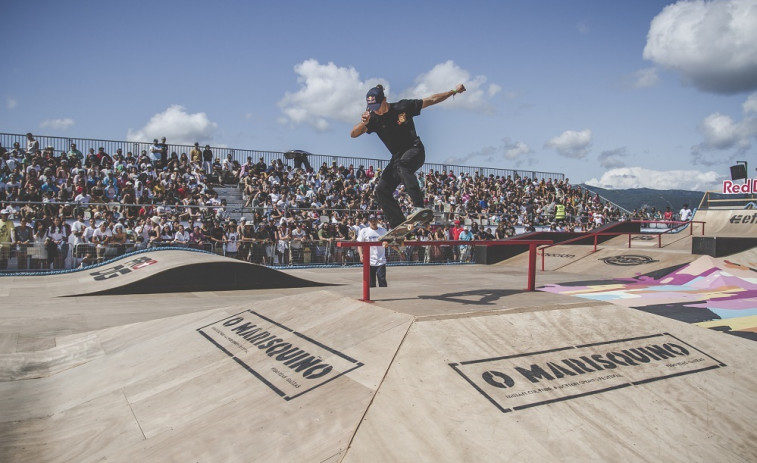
(638, 198)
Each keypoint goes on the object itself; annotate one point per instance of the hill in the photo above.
(636, 198)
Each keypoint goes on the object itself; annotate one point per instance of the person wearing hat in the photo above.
(377, 253)
(393, 123)
(247, 236)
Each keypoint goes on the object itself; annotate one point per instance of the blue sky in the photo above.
(640, 93)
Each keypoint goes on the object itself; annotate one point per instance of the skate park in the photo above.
(646, 360)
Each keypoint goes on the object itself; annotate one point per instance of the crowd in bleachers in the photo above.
(87, 207)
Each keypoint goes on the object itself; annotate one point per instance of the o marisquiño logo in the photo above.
(288, 362)
(521, 381)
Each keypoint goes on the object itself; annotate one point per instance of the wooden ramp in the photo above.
(156, 271)
(450, 363)
(596, 383)
(281, 380)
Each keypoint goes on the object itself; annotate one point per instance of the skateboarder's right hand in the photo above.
(365, 117)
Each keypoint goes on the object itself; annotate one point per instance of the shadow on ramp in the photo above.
(177, 272)
(210, 276)
(474, 297)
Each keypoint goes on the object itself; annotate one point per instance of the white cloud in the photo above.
(750, 105)
(10, 103)
(571, 144)
(177, 125)
(612, 158)
(507, 151)
(639, 177)
(328, 92)
(711, 44)
(446, 76)
(722, 133)
(644, 78)
(514, 150)
(57, 124)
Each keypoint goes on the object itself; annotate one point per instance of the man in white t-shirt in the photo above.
(685, 213)
(102, 237)
(378, 255)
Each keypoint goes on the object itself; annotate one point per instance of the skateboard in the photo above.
(397, 234)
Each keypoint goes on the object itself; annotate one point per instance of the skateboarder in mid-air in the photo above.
(393, 122)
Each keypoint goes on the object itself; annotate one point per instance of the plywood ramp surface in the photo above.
(206, 387)
(456, 392)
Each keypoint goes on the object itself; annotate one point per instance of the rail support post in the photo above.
(532, 266)
(366, 273)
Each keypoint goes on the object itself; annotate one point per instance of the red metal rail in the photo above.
(676, 229)
(366, 245)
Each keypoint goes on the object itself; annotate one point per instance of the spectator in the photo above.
(163, 147)
(197, 238)
(102, 237)
(6, 237)
(57, 249)
(231, 241)
(207, 160)
(685, 214)
(377, 257)
(32, 145)
(181, 237)
(465, 251)
(74, 155)
(23, 237)
(195, 155)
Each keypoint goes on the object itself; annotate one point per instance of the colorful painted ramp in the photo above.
(716, 293)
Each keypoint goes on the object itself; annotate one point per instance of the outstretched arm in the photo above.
(439, 97)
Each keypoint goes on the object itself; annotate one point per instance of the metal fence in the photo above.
(41, 257)
(316, 160)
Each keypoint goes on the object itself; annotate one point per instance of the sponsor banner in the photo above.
(743, 218)
(522, 381)
(123, 268)
(288, 362)
(731, 188)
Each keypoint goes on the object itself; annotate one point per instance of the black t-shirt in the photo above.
(395, 127)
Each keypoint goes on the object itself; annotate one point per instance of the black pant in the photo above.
(378, 271)
(300, 160)
(401, 169)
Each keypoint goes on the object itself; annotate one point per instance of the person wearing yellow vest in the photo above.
(560, 212)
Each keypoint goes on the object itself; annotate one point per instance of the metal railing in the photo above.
(240, 155)
(44, 256)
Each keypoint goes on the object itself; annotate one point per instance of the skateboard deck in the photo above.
(398, 233)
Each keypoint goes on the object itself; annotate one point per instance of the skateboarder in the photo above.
(393, 122)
